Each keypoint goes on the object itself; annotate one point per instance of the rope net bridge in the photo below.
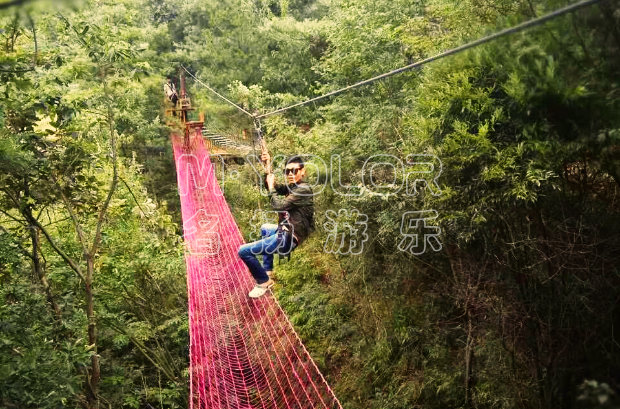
(244, 353)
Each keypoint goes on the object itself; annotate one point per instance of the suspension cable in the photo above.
(511, 30)
(217, 93)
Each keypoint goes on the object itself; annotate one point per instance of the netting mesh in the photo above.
(244, 353)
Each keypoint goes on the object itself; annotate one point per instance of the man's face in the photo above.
(293, 173)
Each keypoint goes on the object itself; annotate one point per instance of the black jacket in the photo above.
(295, 209)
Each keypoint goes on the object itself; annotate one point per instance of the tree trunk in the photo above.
(37, 268)
(39, 272)
(95, 375)
(469, 358)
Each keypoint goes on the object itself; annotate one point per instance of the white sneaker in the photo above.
(260, 289)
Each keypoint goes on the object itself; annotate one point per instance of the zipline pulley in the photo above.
(263, 145)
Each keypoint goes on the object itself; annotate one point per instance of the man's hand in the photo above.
(271, 179)
(265, 157)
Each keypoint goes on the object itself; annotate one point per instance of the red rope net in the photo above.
(244, 353)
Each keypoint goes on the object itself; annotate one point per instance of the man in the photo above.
(295, 223)
(171, 92)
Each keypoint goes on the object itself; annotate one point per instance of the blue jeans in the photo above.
(273, 241)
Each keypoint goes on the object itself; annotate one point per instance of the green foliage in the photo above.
(88, 89)
(35, 370)
(524, 128)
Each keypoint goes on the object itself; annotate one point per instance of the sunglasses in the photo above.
(294, 171)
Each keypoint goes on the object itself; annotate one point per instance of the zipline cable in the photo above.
(511, 30)
(257, 123)
(217, 93)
